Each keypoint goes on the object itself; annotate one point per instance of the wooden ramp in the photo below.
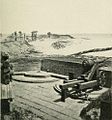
(42, 100)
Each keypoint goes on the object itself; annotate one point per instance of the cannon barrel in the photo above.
(87, 63)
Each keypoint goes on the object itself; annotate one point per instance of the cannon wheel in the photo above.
(102, 78)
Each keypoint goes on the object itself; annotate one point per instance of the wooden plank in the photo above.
(39, 88)
(50, 105)
(70, 103)
(34, 110)
(39, 93)
(45, 109)
(92, 71)
(89, 84)
(48, 94)
(44, 85)
(71, 84)
(108, 69)
(95, 95)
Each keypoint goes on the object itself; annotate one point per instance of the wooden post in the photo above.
(34, 35)
(65, 87)
(24, 36)
(15, 36)
(63, 96)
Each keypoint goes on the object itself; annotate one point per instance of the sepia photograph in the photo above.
(56, 59)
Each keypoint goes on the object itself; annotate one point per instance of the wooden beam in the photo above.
(92, 72)
(89, 84)
(71, 84)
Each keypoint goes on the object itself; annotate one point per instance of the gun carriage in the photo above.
(92, 79)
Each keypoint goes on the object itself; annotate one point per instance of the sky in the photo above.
(56, 16)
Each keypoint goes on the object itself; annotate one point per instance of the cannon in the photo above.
(79, 88)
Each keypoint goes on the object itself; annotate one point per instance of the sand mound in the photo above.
(82, 44)
(55, 36)
(60, 44)
(94, 50)
(97, 45)
(15, 48)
